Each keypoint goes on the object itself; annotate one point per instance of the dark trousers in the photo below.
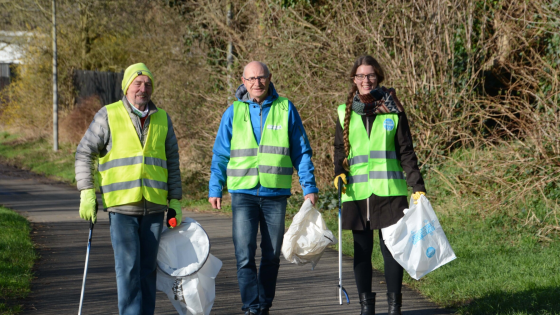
(363, 248)
(249, 212)
(135, 242)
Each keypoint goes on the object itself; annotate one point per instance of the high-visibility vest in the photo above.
(130, 171)
(268, 163)
(374, 167)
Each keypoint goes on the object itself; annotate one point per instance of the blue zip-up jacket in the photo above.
(300, 150)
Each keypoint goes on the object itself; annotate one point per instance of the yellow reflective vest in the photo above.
(129, 171)
(374, 167)
(268, 163)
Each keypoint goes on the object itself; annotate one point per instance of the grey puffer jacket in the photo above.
(97, 142)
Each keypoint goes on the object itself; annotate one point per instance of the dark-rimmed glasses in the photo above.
(252, 80)
(361, 77)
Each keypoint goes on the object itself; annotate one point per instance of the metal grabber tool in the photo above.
(341, 289)
(91, 225)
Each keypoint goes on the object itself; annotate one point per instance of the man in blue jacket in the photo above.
(260, 140)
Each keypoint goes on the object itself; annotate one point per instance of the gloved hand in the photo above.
(417, 195)
(343, 176)
(88, 205)
(174, 211)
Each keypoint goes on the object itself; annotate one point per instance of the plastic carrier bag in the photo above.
(417, 240)
(186, 271)
(307, 237)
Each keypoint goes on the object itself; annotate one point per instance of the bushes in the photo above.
(74, 125)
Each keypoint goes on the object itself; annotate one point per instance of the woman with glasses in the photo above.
(372, 151)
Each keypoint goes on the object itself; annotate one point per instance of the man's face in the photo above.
(256, 81)
(140, 91)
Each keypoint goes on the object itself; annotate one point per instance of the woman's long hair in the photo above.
(361, 61)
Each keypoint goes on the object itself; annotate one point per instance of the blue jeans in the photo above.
(135, 242)
(257, 291)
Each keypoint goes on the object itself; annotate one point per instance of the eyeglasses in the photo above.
(370, 77)
(252, 80)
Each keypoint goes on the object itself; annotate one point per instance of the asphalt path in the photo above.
(61, 240)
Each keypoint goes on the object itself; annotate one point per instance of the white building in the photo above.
(10, 53)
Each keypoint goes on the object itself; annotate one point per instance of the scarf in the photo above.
(138, 112)
(378, 101)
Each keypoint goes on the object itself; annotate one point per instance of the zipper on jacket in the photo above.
(367, 202)
(142, 139)
(260, 115)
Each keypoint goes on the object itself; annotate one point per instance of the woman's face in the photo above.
(365, 79)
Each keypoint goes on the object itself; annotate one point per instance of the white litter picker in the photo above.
(186, 271)
(341, 289)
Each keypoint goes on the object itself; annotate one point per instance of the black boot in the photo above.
(395, 302)
(367, 301)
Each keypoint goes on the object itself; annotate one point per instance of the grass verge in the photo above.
(503, 266)
(16, 261)
(37, 155)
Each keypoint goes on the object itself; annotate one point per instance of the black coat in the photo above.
(384, 211)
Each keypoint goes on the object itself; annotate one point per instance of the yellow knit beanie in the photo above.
(132, 72)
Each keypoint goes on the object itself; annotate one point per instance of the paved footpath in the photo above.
(61, 239)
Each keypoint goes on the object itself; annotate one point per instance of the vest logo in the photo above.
(388, 124)
(430, 252)
(273, 127)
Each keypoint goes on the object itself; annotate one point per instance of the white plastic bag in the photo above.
(186, 270)
(417, 240)
(307, 237)
(197, 291)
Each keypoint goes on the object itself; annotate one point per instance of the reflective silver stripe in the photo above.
(155, 184)
(242, 172)
(121, 186)
(357, 179)
(278, 170)
(383, 155)
(156, 161)
(358, 159)
(386, 175)
(243, 152)
(274, 150)
(120, 162)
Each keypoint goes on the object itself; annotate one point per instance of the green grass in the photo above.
(38, 156)
(16, 260)
(502, 266)
(500, 269)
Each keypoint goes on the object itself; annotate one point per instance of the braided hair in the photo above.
(361, 61)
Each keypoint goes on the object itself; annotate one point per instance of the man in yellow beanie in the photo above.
(139, 179)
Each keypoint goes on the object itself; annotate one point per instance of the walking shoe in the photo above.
(264, 311)
(395, 302)
(367, 301)
(250, 313)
